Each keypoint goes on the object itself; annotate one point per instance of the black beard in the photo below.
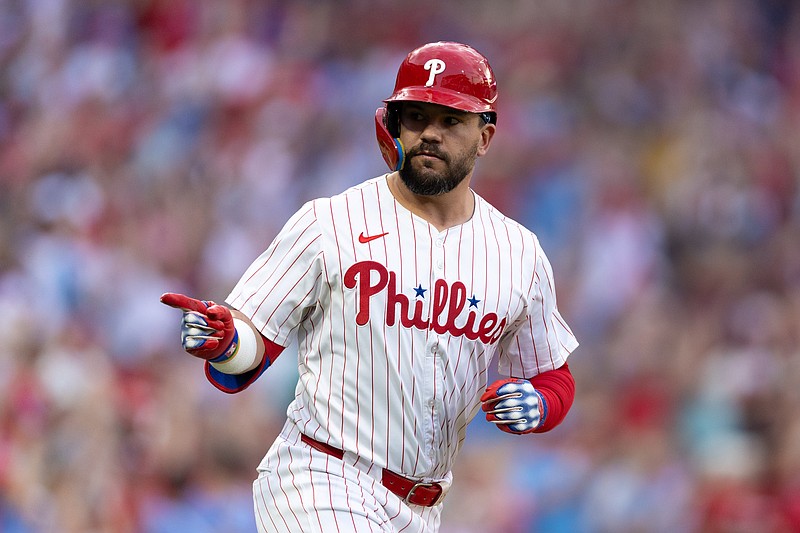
(425, 184)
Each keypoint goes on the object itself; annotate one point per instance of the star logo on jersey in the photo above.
(364, 239)
(447, 311)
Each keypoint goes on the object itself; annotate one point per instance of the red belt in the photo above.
(411, 491)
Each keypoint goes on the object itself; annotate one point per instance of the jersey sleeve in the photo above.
(542, 340)
(283, 282)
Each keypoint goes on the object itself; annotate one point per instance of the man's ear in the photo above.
(487, 134)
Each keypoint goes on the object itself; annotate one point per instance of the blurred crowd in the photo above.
(158, 145)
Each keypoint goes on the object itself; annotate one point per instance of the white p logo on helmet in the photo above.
(436, 66)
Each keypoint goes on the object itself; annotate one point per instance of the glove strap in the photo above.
(543, 403)
(230, 351)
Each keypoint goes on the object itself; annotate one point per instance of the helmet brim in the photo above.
(442, 96)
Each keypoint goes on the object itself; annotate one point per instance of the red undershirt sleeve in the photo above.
(558, 389)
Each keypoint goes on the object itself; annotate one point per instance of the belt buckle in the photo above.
(423, 484)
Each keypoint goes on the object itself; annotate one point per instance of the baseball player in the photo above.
(400, 293)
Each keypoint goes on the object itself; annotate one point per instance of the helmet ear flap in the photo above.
(392, 119)
(387, 131)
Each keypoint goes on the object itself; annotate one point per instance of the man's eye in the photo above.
(452, 121)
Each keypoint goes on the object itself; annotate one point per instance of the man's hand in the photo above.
(514, 405)
(207, 329)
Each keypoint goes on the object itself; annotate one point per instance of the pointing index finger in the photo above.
(180, 301)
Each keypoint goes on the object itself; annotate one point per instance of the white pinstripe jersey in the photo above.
(396, 334)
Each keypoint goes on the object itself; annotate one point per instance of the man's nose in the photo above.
(432, 132)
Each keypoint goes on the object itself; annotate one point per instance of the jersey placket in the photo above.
(434, 357)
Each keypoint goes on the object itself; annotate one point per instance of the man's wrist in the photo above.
(243, 354)
(542, 408)
(230, 351)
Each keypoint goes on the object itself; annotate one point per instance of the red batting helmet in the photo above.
(445, 73)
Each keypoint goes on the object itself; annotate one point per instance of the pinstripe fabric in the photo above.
(302, 489)
(396, 335)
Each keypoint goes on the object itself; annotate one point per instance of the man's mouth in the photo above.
(429, 154)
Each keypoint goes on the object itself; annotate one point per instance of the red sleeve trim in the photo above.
(558, 389)
(271, 350)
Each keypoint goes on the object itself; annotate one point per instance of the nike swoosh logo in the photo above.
(363, 239)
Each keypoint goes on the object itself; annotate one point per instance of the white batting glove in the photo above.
(514, 405)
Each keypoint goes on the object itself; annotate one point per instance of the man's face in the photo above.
(442, 146)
